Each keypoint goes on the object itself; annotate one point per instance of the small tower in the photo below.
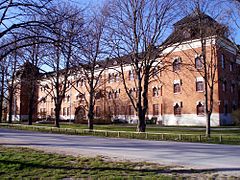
(28, 91)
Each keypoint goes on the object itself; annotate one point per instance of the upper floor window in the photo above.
(110, 95)
(176, 64)
(178, 109)
(117, 77)
(131, 75)
(198, 62)
(199, 84)
(155, 92)
(68, 98)
(116, 93)
(177, 86)
(200, 109)
(223, 61)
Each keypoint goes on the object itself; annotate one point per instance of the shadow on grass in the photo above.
(157, 171)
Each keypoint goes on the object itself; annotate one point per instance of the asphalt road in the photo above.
(190, 155)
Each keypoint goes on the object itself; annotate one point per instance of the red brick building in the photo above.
(176, 94)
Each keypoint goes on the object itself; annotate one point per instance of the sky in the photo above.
(235, 31)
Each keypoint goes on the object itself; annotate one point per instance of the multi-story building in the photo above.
(176, 93)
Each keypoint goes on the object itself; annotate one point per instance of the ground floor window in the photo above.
(177, 109)
(155, 109)
(200, 109)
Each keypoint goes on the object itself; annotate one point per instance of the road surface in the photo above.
(187, 155)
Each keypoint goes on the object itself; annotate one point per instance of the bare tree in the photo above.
(210, 33)
(92, 50)
(139, 29)
(67, 23)
(15, 16)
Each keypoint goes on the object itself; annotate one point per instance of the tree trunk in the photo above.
(91, 110)
(142, 122)
(208, 117)
(10, 106)
(2, 95)
(57, 116)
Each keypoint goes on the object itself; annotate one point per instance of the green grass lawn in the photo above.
(155, 128)
(24, 163)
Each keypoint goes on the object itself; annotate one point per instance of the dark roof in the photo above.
(189, 28)
(193, 17)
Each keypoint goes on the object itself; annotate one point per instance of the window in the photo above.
(176, 87)
(223, 61)
(198, 62)
(177, 109)
(176, 65)
(82, 82)
(111, 77)
(231, 66)
(116, 93)
(130, 110)
(52, 99)
(109, 95)
(68, 111)
(199, 86)
(98, 95)
(131, 75)
(200, 109)
(52, 111)
(64, 111)
(131, 92)
(224, 86)
(155, 109)
(117, 77)
(97, 111)
(155, 92)
(68, 98)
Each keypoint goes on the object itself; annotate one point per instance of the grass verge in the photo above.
(25, 163)
(181, 135)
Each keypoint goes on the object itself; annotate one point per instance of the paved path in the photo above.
(190, 155)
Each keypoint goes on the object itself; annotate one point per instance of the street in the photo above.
(189, 155)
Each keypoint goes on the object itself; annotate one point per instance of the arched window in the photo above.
(155, 92)
(200, 109)
(177, 109)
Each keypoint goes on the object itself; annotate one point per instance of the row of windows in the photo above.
(177, 86)
(178, 61)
